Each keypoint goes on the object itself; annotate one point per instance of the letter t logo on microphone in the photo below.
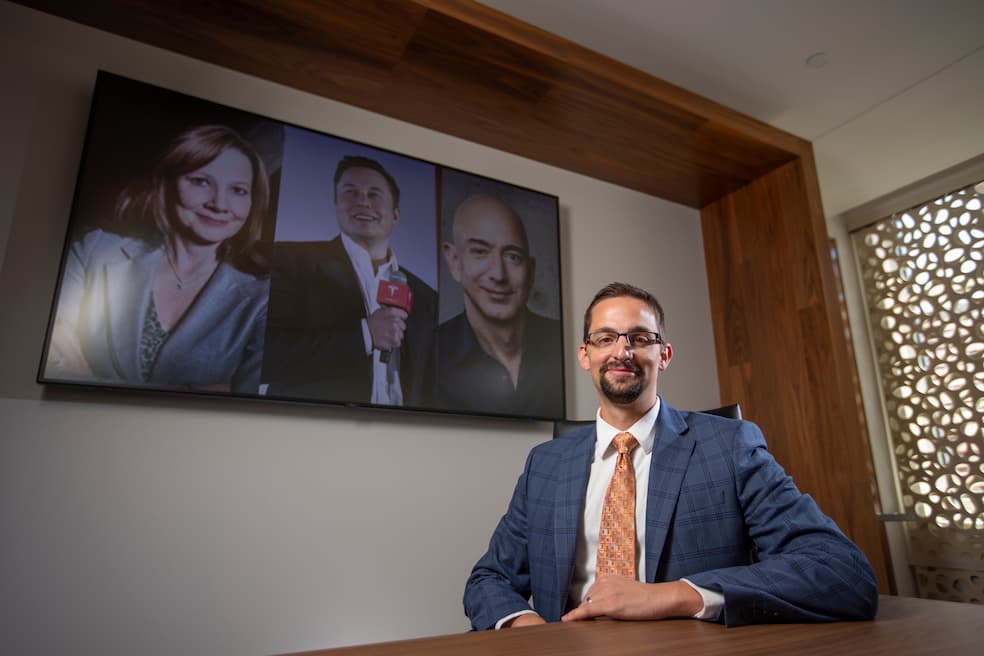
(395, 293)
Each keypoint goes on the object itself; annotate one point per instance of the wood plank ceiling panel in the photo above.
(464, 69)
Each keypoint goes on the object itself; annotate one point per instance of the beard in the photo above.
(625, 393)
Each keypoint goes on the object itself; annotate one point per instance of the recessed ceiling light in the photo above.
(979, 187)
(817, 60)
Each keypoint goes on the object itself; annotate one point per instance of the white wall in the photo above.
(155, 525)
(929, 127)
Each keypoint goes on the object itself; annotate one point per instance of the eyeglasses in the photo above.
(637, 339)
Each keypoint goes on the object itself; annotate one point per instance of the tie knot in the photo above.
(625, 442)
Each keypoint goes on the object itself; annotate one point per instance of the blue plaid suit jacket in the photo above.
(720, 511)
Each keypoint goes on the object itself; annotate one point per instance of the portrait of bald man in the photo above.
(497, 356)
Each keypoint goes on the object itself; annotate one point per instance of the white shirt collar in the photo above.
(643, 430)
(361, 260)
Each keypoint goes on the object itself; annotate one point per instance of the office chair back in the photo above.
(565, 426)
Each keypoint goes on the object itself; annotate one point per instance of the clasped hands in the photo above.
(618, 597)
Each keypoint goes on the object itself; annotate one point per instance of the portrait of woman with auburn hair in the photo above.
(173, 292)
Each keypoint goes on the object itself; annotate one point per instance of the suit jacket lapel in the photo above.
(203, 320)
(573, 473)
(671, 453)
(337, 268)
(129, 284)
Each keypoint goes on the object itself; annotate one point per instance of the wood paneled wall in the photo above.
(464, 69)
(781, 344)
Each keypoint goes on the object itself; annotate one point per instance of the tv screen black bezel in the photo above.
(94, 187)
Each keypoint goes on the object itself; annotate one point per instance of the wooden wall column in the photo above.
(781, 344)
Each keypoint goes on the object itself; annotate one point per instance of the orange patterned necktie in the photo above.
(617, 537)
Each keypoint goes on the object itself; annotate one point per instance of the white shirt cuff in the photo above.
(713, 602)
(498, 625)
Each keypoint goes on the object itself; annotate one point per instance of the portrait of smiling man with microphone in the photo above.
(346, 322)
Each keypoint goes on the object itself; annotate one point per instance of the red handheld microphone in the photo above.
(394, 292)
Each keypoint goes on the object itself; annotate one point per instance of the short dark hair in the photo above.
(621, 289)
(358, 162)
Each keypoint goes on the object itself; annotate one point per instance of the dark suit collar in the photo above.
(335, 254)
(670, 421)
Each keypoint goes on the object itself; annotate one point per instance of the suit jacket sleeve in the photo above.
(65, 327)
(806, 569)
(499, 584)
(73, 280)
(246, 378)
(81, 322)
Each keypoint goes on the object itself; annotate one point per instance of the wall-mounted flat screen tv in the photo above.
(213, 251)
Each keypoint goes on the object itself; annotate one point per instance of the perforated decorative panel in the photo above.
(923, 279)
(950, 584)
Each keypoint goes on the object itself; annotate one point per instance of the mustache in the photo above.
(622, 364)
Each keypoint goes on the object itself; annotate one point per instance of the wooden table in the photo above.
(904, 626)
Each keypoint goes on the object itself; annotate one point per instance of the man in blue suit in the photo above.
(721, 532)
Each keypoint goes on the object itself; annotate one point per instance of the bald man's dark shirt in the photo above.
(469, 380)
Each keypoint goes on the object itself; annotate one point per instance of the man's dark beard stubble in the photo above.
(622, 395)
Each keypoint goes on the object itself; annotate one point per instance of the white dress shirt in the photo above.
(385, 376)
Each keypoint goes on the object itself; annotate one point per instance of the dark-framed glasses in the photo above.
(637, 339)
